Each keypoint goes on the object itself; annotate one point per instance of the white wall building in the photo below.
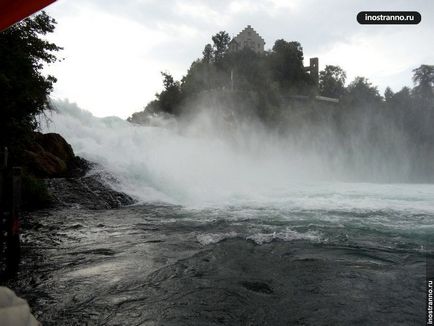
(247, 38)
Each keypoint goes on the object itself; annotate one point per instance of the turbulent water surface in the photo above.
(223, 236)
(169, 265)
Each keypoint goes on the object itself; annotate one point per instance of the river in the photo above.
(226, 231)
(237, 265)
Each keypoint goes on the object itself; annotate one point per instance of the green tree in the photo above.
(208, 54)
(24, 90)
(197, 78)
(388, 94)
(170, 98)
(332, 81)
(362, 92)
(424, 82)
(401, 100)
(221, 42)
(286, 66)
(168, 81)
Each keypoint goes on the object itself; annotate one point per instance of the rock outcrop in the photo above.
(50, 156)
(51, 159)
(89, 192)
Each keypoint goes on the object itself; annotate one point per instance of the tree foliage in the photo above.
(208, 54)
(286, 66)
(24, 90)
(388, 94)
(221, 42)
(332, 81)
(170, 97)
(424, 82)
(361, 92)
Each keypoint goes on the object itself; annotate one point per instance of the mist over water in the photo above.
(194, 163)
(207, 160)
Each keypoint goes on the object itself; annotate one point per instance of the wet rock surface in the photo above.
(71, 180)
(89, 192)
(144, 265)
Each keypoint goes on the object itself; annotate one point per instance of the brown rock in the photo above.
(49, 156)
(56, 145)
(44, 164)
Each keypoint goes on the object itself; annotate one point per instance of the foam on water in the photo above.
(288, 235)
(209, 238)
(241, 172)
(259, 238)
(192, 165)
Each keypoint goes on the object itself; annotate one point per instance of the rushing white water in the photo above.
(198, 165)
(261, 187)
(192, 165)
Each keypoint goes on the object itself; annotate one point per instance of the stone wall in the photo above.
(249, 38)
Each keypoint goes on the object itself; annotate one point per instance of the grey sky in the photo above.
(115, 50)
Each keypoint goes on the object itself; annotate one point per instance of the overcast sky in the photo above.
(114, 50)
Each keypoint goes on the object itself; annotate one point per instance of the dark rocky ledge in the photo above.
(70, 179)
(90, 192)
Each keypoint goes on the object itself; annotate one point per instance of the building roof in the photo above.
(249, 29)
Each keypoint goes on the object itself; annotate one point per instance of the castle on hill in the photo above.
(249, 38)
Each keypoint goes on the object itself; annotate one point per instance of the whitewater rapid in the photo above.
(192, 165)
(199, 165)
(246, 176)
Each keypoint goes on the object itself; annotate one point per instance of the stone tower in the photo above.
(314, 70)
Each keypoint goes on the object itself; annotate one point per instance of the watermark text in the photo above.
(389, 17)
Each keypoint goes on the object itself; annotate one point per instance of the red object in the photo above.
(12, 11)
(15, 227)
